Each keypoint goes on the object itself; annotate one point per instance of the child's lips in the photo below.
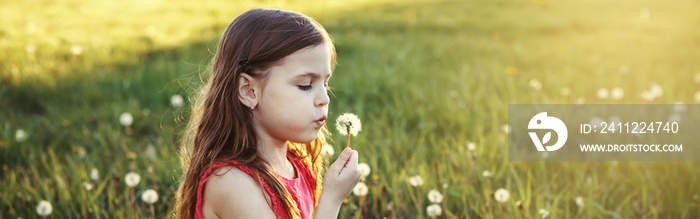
(320, 121)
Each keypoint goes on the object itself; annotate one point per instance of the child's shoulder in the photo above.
(230, 191)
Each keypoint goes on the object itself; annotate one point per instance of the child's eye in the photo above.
(304, 87)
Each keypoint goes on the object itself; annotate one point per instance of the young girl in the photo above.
(253, 143)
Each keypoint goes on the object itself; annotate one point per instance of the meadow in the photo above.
(431, 81)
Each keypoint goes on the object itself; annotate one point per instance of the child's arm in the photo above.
(341, 177)
(234, 194)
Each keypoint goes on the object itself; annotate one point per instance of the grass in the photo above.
(425, 77)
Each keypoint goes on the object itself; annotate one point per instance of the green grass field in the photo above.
(425, 77)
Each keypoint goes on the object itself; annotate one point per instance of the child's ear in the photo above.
(247, 92)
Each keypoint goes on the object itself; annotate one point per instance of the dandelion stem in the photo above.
(153, 212)
(153, 177)
(84, 203)
(348, 129)
(503, 214)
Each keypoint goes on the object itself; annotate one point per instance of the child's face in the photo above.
(295, 96)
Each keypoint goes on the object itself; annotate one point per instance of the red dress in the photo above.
(301, 188)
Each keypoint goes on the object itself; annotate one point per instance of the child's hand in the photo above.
(342, 176)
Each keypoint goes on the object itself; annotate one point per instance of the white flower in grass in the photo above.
(617, 93)
(434, 210)
(328, 150)
(544, 213)
(150, 196)
(535, 84)
(44, 208)
(76, 50)
(697, 96)
(486, 174)
(602, 93)
(94, 174)
(132, 179)
(176, 100)
(415, 180)
(501, 195)
(351, 120)
(126, 119)
(579, 201)
(360, 189)
(364, 168)
(88, 186)
(20, 135)
(434, 196)
(565, 91)
(471, 146)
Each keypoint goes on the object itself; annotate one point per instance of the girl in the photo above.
(252, 146)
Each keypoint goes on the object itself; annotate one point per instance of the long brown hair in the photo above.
(220, 127)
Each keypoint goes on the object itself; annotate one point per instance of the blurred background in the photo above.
(94, 94)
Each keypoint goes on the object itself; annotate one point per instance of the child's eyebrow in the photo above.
(312, 75)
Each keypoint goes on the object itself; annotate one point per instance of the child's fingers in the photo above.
(343, 158)
(351, 163)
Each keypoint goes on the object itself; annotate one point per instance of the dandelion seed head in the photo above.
(150, 196)
(579, 201)
(471, 146)
(501, 195)
(434, 196)
(94, 174)
(88, 186)
(544, 213)
(44, 208)
(126, 119)
(351, 120)
(76, 50)
(20, 135)
(360, 189)
(486, 174)
(364, 168)
(434, 210)
(132, 179)
(415, 180)
(177, 101)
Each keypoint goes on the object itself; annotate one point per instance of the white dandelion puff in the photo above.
(348, 122)
(544, 213)
(535, 84)
(94, 174)
(415, 180)
(434, 196)
(327, 150)
(126, 119)
(132, 179)
(88, 186)
(434, 210)
(617, 93)
(360, 189)
(603, 93)
(176, 100)
(471, 146)
(150, 196)
(501, 195)
(364, 168)
(579, 201)
(44, 208)
(76, 50)
(20, 135)
(486, 174)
